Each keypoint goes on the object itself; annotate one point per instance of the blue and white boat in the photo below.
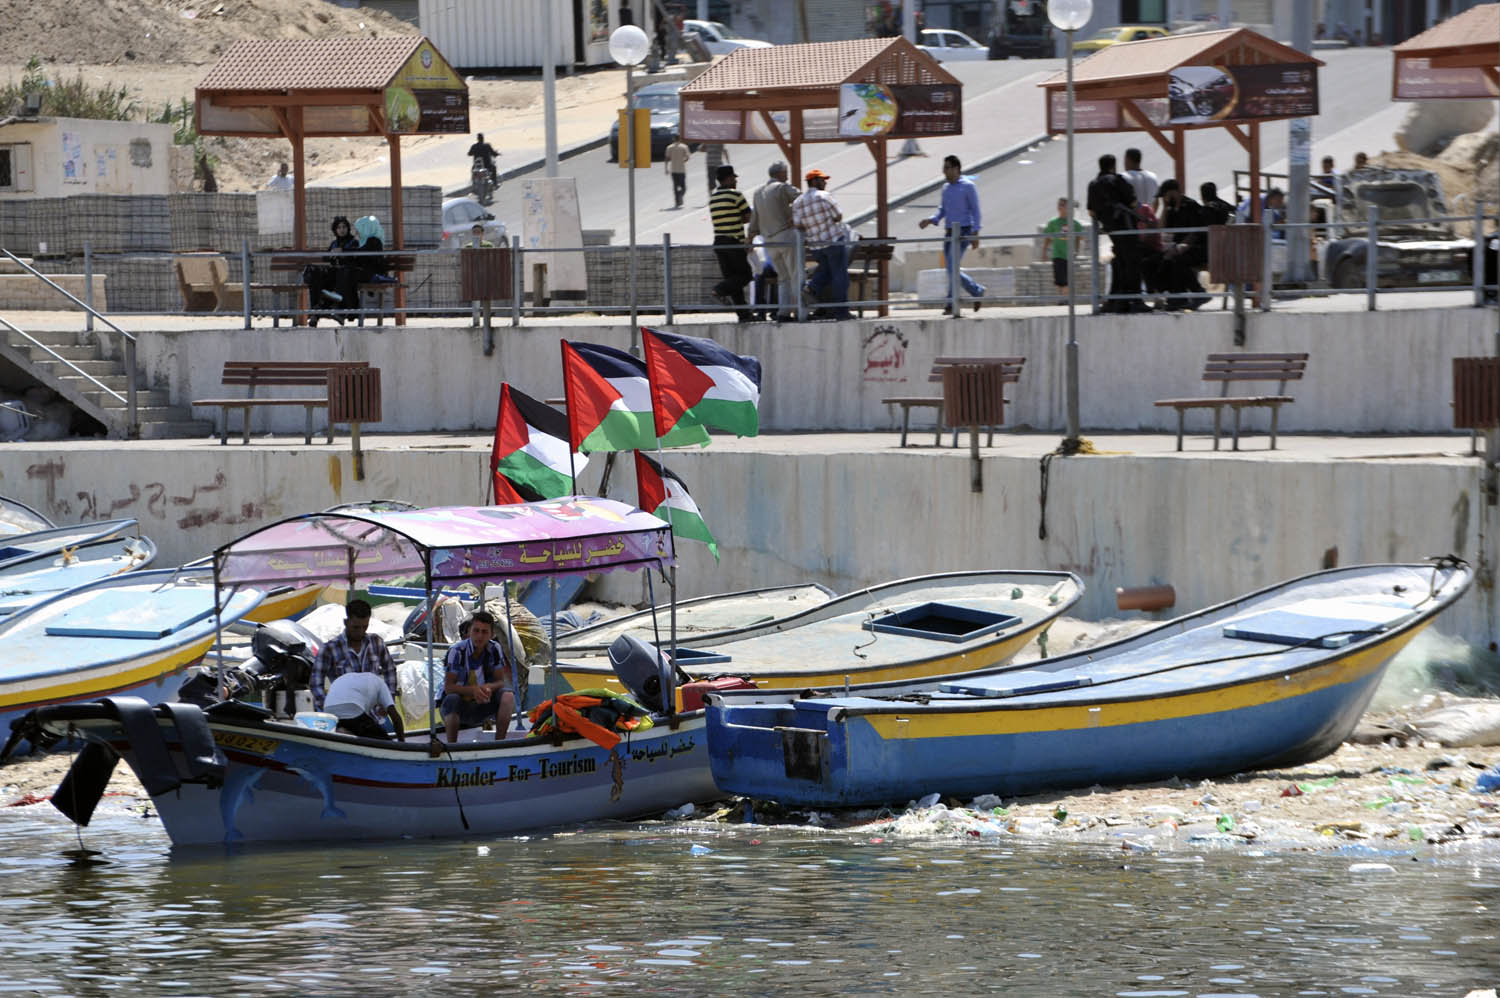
(1274, 678)
(129, 635)
(28, 583)
(18, 518)
(40, 545)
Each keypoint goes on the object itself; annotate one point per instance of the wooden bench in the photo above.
(1252, 367)
(396, 263)
(1010, 374)
(868, 254)
(203, 279)
(274, 374)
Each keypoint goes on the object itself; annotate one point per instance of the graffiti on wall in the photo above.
(194, 506)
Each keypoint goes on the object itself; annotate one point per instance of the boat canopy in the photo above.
(449, 544)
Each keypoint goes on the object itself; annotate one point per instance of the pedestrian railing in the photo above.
(678, 278)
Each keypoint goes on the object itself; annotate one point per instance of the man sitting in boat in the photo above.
(356, 650)
(359, 700)
(477, 683)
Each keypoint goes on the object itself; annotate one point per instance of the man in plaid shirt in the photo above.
(820, 220)
(356, 650)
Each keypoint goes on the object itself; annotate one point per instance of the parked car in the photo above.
(721, 40)
(666, 118)
(1411, 252)
(1119, 35)
(459, 216)
(947, 45)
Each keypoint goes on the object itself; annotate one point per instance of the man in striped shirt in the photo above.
(820, 220)
(729, 211)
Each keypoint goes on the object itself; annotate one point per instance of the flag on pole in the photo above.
(702, 381)
(665, 495)
(530, 457)
(609, 402)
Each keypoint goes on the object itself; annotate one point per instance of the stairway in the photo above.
(158, 417)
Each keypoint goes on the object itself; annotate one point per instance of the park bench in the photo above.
(865, 282)
(1246, 367)
(397, 264)
(275, 374)
(1010, 373)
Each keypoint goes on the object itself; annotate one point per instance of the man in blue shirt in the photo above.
(477, 681)
(959, 209)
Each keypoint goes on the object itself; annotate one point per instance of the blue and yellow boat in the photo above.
(1274, 678)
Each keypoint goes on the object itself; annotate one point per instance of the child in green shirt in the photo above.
(1059, 245)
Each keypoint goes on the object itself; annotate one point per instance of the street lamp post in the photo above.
(1068, 16)
(628, 45)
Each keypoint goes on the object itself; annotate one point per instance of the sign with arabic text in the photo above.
(1418, 79)
(878, 110)
(1206, 94)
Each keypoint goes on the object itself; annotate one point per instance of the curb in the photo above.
(916, 192)
(532, 165)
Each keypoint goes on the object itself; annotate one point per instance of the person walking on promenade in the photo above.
(959, 208)
(821, 221)
(675, 161)
(1059, 251)
(1111, 203)
(729, 211)
(714, 156)
(772, 221)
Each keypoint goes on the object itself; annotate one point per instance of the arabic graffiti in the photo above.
(884, 355)
(199, 505)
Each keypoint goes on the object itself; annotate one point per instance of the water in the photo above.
(632, 909)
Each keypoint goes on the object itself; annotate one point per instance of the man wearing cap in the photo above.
(820, 220)
(959, 207)
(729, 211)
(772, 221)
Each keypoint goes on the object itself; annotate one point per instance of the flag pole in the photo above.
(672, 572)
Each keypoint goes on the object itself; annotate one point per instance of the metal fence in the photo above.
(673, 279)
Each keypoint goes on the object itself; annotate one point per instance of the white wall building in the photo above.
(57, 157)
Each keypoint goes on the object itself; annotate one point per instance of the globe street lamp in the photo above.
(628, 45)
(1068, 16)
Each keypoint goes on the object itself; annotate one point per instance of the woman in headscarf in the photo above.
(364, 269)
(324, 281)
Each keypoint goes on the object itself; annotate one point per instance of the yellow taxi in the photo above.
(1118, 35)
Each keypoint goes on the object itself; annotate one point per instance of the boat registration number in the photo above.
(246, 743)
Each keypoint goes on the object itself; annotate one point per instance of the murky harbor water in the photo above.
(671, 909)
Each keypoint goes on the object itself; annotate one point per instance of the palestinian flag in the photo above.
(609, 402)
(665, 495)
(529, 460)
(701, 380)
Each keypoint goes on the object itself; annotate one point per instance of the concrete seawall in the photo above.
(853, 509)
(1370, 372)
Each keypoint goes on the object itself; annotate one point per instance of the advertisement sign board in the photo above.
(1418, 79)
(426, 97)
(876, 110)
(1203, 94)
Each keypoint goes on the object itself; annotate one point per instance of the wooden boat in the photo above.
(130, 634)
(920, 629)
(1274, 678)
(31, 582)
(18, 518)
(231, 772)
(40, 545)
(699, 620)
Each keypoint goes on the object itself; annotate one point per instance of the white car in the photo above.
(947, 45)
(459, 216)
(721, 40)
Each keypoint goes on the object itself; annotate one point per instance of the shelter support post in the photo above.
(398, 229)
(882, 222)
(795, 156)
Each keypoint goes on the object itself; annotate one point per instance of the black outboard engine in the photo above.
(644, 670)
(286, 651)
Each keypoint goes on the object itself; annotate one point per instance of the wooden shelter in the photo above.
(865, 89)
(1234, 79)
(1458, 59)
(297, 89)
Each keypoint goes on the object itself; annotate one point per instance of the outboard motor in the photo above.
(286, 651)
(645, 670)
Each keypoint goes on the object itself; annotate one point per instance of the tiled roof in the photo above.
(310, 64)
(818, 64)
(1476, 26)
(1159, 56)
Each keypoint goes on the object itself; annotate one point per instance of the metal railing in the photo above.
(431, 287)
(127, 341)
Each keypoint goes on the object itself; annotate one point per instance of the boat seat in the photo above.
(1017, 684)
(1320, 623)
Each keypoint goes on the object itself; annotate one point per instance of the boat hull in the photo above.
(287, 783)
(809, 754)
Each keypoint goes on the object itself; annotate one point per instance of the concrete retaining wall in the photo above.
(1370, 372)
(852, 517)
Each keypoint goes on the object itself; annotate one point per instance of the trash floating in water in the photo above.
(685, 811)
(1313, 786)
(929, 800)
(1488, 780)
(699, 850)
(1372, 868)
(1225, 822)
(483, 850)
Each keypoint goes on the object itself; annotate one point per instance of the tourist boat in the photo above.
(922, 629)
(28, 583)
(231, 772)
(127, 635)
(1275, 678)
(49, 542)
(18, 518)
(703, 618)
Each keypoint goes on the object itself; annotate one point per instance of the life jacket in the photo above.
(595, 714)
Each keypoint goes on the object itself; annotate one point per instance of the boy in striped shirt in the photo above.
(729, 211)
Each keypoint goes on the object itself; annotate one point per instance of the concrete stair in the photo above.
(73, 364)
